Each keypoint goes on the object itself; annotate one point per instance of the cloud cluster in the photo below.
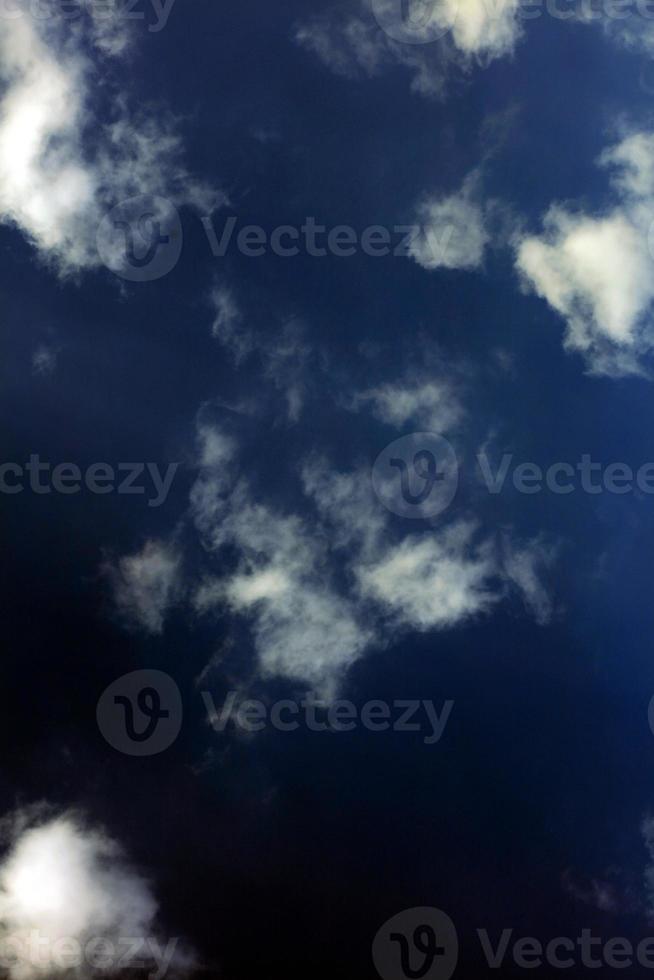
(61, 169)
(381, 36)
(596, 270)
(326, 579)
(71, 888)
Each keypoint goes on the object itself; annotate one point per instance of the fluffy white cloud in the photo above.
(60, 169)
(486, 28)
(433, 580)
(461, 31)
(146, 585)
(597, 270)
(69, 885)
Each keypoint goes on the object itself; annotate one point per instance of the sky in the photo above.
(328, 487)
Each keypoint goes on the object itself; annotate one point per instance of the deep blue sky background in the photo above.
(290, 851)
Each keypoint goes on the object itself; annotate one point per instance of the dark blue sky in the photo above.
(286, 852)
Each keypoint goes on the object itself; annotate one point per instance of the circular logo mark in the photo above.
(418, 943)
(416, 476)
(415, 21)
(141, 713)
(650, 715)
(141, 238)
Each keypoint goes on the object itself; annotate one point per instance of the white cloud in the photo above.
(433, 580)
(60, 169)
(525, 565)
(303, 629)
(322, 581)
(596, 270)
(146, 585)
(454, 230)
(460, 31)
(430, 403)
(346, 505)
(488, 29)
(357, 47)
(68, 883)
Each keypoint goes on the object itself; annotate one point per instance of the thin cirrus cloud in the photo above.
(596, 270)
(56, 183)
(65, 882)
(283, 356)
